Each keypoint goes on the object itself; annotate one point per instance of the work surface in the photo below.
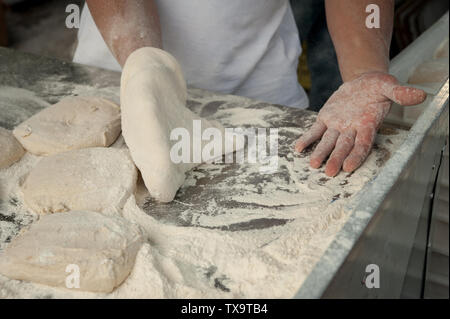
(232, 230)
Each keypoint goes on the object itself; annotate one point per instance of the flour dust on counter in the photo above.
(231, 231)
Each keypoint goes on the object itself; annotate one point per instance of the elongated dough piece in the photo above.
(72, 123)
(153, 101)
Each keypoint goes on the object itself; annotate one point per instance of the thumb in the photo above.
(405, 95)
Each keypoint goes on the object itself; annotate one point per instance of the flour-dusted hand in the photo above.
(348, 122)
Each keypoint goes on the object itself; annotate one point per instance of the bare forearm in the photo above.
(126, 25)
(360, 49)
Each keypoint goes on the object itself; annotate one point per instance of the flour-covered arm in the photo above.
(126, 25)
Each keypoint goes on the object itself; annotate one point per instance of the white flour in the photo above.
(195, 262)
(204, 261)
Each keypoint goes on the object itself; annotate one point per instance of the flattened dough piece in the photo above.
(10, 149)
(104, 249)
(153, 101)
(94, 179)
(72, 123)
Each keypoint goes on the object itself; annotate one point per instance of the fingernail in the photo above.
(347, 167)
(315, 163)
(331, 172)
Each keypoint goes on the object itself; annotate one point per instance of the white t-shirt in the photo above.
(242, 47)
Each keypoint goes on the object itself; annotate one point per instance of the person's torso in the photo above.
(248, 48)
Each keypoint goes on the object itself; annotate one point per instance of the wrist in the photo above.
(355, 74)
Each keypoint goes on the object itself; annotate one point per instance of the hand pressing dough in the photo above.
(10, 149)
(72, 123)
(94, 179)
(104, 249)
(153, 101)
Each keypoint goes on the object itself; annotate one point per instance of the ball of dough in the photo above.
(11, 150)
(72, 123)
(94, 179)
(56, 247)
